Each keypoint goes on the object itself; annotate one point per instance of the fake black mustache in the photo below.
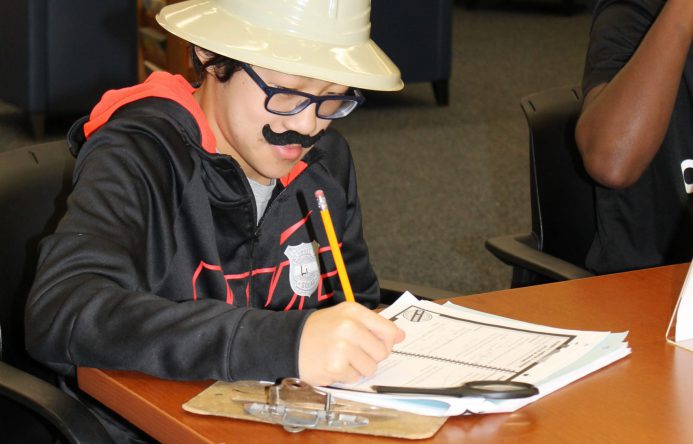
(290, 137)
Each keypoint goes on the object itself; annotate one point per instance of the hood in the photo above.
(162, 85)
(159, 84)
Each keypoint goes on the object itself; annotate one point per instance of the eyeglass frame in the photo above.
(271, 91)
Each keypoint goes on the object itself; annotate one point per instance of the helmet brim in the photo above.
(203, 24)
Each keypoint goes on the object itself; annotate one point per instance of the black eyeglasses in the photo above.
(287, 102)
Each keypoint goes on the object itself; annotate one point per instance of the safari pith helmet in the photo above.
(323, 39)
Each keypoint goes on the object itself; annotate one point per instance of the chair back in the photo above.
(562, 199)
(34, 184)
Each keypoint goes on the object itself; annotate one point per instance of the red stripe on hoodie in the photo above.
(294, 173)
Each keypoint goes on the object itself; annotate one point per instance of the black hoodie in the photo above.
(158, 265)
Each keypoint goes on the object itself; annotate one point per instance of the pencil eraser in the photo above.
(320, 198)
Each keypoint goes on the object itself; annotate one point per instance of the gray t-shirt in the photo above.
(263, 194)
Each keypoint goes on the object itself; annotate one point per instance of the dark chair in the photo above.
(59, 56)
(417, 35)
(34, 182)
(567, 6)
(562, 199)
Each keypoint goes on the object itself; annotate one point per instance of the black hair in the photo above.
(224, 67)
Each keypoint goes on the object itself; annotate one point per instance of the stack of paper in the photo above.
(448, 345)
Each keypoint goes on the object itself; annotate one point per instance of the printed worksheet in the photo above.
(447, 346)
(444, 348)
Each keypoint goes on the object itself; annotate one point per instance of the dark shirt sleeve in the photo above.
(617, 29)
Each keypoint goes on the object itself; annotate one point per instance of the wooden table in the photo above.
(645, 398)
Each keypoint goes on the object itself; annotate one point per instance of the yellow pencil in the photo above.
(334, 245)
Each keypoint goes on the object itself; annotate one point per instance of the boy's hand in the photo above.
(344, 343)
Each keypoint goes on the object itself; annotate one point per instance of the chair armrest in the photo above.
(68, 415)
(391, 290)
(520, 250)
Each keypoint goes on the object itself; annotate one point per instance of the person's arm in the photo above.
(623, 122)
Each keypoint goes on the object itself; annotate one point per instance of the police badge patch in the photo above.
(304, 270)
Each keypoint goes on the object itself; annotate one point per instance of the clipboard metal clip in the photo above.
(297, 406)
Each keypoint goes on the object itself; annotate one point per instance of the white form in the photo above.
(445, 350)
(446, 347)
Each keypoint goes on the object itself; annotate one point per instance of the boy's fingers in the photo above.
(384, 329)
(369, 343)
(350, 362)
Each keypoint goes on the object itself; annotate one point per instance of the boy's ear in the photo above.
(204, 56)
(201, 54)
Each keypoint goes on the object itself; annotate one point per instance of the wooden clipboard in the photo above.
(227, 399)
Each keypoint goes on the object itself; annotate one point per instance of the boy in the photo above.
(192, 247)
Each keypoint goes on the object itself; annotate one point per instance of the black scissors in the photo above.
(484, 389)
